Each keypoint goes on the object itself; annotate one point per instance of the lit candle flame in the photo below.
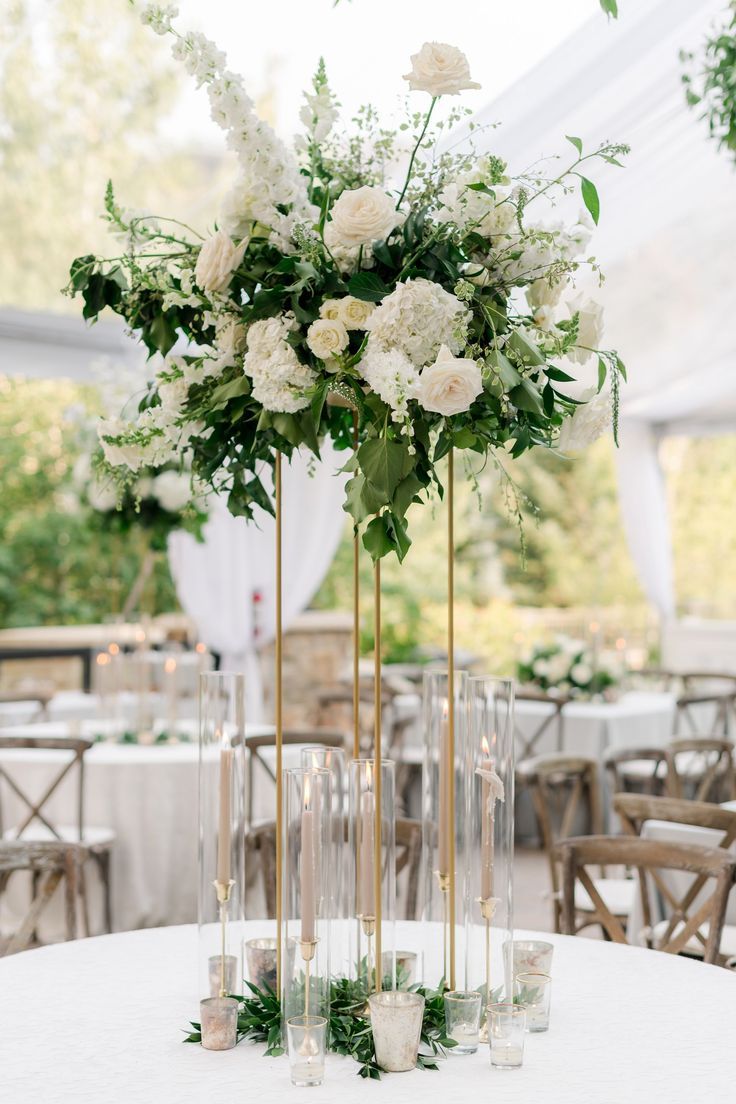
(200, 647)
(486, 748)
(368, 776)
(170, 665)
(307, 791)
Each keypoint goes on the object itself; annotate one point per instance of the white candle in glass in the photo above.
(487, 825)
(224, 838)
(367, 884)
(308, 864)
(445, 781)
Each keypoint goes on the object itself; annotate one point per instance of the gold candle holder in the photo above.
(444, 884)
(307, 947)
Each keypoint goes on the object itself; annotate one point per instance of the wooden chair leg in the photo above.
(81, 879)
(103, 862)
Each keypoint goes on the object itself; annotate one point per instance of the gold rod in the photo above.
(377, 763)
(356, 622)
(279, 723)
(306, 988)
(223, 945)
(451, 699)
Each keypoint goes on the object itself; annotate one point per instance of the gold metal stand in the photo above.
(487, 909)
(223, 891)
(279, 721)
(377, 763)
(368, 924)
(444, 884)
(356, 620)
(451, 701)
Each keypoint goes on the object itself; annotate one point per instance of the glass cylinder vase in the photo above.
(221, 833)
(370, 875)
(489, 855)
(444, 824)
(308, 849)
(333, 760)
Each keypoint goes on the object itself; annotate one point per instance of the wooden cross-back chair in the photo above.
(48, 864)
(701, 768)
(564, 789)
(261, 841)
(336, 704)
(693, 689)
(295, 737)
(555, 719)
(635, 809)
(637, 770)
(36, 820)
(650, 857)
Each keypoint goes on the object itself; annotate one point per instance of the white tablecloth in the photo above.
(101, 1019)
(148, 796)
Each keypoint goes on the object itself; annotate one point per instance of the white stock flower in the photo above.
(418, 317)
(590, 327)
(119, 453)
(450, 385)
(318, 113)
(218, 258)
(158, 16)
(439, 69)
(392, 376)
(489, 215)
(364, 214)
(173, 490)
(544, 317)
(589, 422)
(327, 337)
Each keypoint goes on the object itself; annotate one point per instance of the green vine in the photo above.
(713, 86)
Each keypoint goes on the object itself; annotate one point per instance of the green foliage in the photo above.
(710, 81)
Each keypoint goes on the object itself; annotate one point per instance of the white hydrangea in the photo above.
(280, 380)
(589, 422)
(392, 376)
(418, 317)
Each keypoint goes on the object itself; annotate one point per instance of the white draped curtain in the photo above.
(227, 583)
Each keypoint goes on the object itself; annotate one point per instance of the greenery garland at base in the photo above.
(259, 1021)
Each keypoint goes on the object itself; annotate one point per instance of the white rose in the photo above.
(102, 496)
(439, 69)
(590, 327)
(363, 215)
(218, 258)
(173, 490)
(327, 337)
(354, 313)
(330, 309)
(541, 293)
(450, 385)
(589, 422)
(173, 395)
(230, 335)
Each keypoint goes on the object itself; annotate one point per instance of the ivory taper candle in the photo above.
(224, 833)
(367, 886)
(307, 868)
(170, 672)
(487, 824)
(445, 769)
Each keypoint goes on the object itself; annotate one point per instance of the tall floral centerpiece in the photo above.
(408, 299)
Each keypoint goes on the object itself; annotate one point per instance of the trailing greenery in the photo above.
(710, 81)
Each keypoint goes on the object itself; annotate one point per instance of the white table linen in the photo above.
(102, 1019)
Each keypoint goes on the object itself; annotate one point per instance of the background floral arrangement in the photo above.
(568, 667)
(434, 314)
(712, 85)
(157, 501)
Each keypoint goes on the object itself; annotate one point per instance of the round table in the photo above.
(102, 1019)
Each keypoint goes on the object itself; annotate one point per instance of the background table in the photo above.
(100, 1019)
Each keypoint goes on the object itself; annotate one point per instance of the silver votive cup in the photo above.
(219, 1018)
(534, 992)
(260, 956)
(396, 1022)
(529, 956)
(307, 1038)
(462, 1020)
(406, 967)
(232, 984)
(506, 1027)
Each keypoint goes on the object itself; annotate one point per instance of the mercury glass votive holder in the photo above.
(506, 1027)
(219, 1020)
(306, 1038)
(231, 985)
(534, 992)
(462, 1020)
(396, 1022)
(529, 956)
(260, 957)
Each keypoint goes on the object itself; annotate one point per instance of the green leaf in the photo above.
(231, 390)
(376, 539)
(610, 7)
(405, 493)
(602, 372)
(576, 143)
(526, 397)
(506, 371)
(367, 286)
(590, 198)
(524, 351)
(384, 463)
(557, 374)
(81, 271)
(288, 426)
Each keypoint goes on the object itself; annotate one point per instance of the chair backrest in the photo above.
(307, 737)
(649, 858)
(639, 777)
(701, 767)
(49, 864)
(634, 809)
(37, 809)
(554, 718)
(262, 840)
(563, 787)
